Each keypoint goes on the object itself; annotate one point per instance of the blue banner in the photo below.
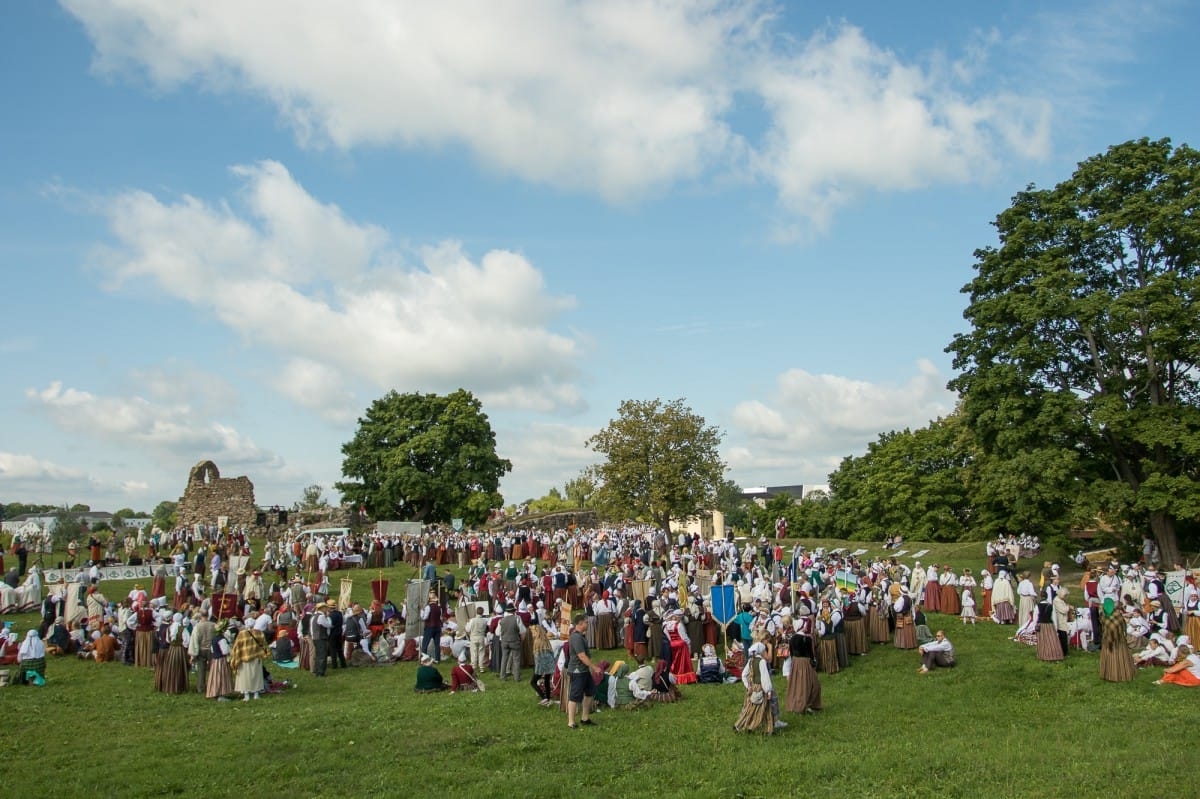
(723, 603)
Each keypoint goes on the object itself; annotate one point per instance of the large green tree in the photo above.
(661, 462)
(424, 457)
(1082, 358)
(908, 482)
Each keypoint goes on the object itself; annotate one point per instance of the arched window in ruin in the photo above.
(204, 473)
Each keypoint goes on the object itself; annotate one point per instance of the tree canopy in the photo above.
(1080, 368)
(661, 462)
(424, 457)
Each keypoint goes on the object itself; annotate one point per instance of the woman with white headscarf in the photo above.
(759, 713)
(31, 659)
(1003, 611)
(171, 670)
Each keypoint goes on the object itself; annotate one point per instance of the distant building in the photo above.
(710, 525)
(48, 521)
(760, 495)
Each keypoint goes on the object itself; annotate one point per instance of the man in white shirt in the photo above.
(938, 653)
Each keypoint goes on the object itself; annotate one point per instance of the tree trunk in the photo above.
(1163, 526)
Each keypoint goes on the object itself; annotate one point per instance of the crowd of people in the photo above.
(543, 601)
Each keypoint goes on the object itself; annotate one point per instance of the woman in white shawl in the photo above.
(1026, 597)
(31, 659)
(760, 712)
(1003, 611)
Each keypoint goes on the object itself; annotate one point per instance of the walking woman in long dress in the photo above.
(249, 651)
(1116, 661)
(758, 713)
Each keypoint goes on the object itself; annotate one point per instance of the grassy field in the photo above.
(1001, 724)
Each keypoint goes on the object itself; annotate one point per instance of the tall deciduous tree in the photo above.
(661, 462)
(907, 482)
(424, 457)
(1084, 344)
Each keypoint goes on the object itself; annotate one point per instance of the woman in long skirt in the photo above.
(877, 623)
(174, 666)
(758, 714)
(1049, 648)
(245, 660)
(906, 631)
(220, 678)
(681, 649)
(856, 631)
(1116, 661)
(803, 693)
(949, 594)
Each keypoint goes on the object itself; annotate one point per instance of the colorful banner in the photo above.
(846, 580)
(724, 603)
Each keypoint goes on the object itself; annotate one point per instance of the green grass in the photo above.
(1001, 724)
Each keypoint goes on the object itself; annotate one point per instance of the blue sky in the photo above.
(226, 228)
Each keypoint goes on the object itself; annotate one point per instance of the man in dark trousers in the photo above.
(512, 632)
(336, 648)
(579, 669)
(431, 615)
(318, 630)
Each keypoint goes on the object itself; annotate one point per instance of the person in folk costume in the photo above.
(654, 625)
(933, 590)
(1156, 591)
(1048, 646)
(855, 622)
(694, 614)
(838, 602)
(1185, 671)
(681, 648)
(200, 648)
(916, 582)
(985, 588)
(878, 613)
(1191, 609)
(1064, 619)
(158, 588)
(144, 635)
(1116, 661)
(31, 659)
(1026, 598)
(825, 626)
(637, 636)
(902, 608)
(1003, 611)
(605, 612)
(759, 710)
(219, 682)
(171, 670)
(950, 603)
(246, 661)
(803, 694)
(462, 676)
(1155, 654)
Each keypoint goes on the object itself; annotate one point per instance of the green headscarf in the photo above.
(1109, 606)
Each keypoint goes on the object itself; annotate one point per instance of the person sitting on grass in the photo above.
(31, 660)
(938, 653)
(429, 679)
(462, 676)
(1185, 671)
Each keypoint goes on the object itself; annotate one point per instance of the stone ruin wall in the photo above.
(209, 496)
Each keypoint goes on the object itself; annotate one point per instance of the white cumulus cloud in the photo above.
(811, 421)
(616, 97)
(294, 275)
(168, 429)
